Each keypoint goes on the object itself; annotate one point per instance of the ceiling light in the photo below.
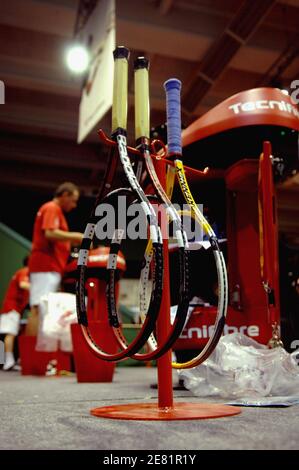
(77, 59)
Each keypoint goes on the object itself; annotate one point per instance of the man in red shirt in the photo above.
(50, 248)
(15, 301)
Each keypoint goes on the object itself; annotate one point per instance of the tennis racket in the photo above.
(119, 121)
(173, 106)
(142, 130)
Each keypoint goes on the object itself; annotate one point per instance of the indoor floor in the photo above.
(53, 413)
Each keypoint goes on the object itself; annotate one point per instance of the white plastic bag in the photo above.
(242, 367)
(57, 312)
(10, 323)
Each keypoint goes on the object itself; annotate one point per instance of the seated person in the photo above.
(15, 301)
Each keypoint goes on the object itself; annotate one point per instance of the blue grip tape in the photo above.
(173, 111)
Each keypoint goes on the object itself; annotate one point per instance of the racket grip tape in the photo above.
(142, 110)
(120, 88)
(173, 111)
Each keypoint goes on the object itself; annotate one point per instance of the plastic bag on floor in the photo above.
(242, 367)
(57, 313)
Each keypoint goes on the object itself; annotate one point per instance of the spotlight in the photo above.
(77, 59)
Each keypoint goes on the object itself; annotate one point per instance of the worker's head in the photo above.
(67, 194)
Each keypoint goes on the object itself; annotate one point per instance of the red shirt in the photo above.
(16, 298)
(49, 255)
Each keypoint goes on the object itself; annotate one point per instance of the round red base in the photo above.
(151, 412)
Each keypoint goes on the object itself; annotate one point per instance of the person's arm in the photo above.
(57, 234)
(24, 285)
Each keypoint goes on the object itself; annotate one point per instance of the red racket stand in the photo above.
(35, 362)
(179, 411)
(252, 237)
(166, 409)
(88, 367)
(253, 241)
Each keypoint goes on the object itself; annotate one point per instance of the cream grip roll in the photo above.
(120, 88)
(142, 108)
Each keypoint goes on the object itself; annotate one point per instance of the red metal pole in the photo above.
(270, 230)
(165, 393)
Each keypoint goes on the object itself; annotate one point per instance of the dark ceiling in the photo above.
(216, 47)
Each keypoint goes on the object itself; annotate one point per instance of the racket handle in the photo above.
(173, 111)
(142, 110)
(120, 88)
